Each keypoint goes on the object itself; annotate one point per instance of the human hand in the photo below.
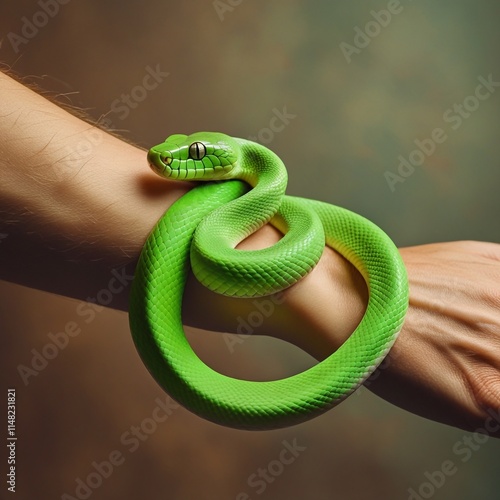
(445, 365)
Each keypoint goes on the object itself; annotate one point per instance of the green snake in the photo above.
(200, 232)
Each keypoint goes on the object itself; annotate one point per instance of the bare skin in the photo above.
(78, 203)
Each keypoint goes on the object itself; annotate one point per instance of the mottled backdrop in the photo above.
(373, 106)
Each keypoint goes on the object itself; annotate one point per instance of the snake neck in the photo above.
(266, 173)
(262, 169)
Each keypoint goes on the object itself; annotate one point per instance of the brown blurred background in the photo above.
(232, 68)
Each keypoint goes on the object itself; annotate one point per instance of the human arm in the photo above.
(79, 203)
(73, 218)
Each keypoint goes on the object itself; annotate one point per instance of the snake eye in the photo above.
(197, 151)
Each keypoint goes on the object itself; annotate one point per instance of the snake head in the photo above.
(204, 156)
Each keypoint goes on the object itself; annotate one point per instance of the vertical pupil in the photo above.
(197, 150)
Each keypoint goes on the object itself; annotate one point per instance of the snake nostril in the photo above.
(167, 160)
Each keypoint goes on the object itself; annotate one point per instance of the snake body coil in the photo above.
(202, 230)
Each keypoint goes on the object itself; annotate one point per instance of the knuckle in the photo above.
(485, 386)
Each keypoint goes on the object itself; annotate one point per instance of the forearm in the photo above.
(70, 217)
(78, 203)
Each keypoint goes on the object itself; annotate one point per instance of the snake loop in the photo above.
(202, 230)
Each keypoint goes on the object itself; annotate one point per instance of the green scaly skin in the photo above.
(203, 228)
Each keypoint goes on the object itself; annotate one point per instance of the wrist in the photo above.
(316, 314)
(329, 303)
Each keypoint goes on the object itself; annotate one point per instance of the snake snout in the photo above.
(156, 162)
